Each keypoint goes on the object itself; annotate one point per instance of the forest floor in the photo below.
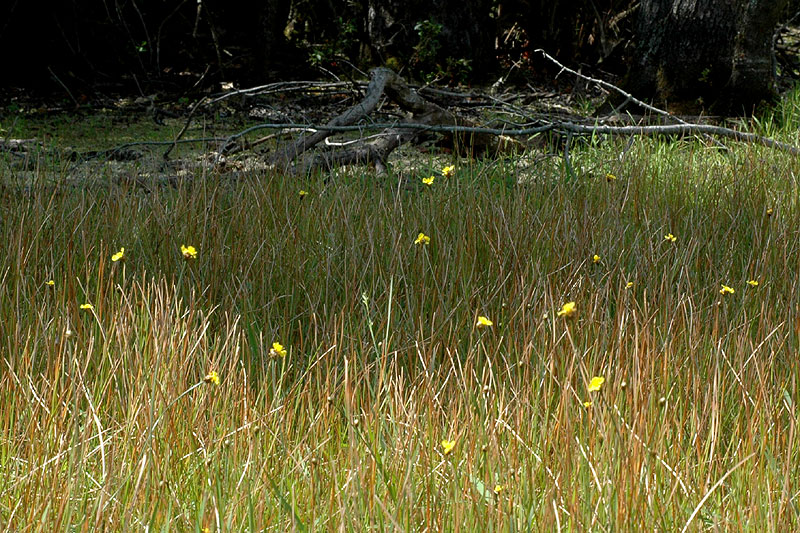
(510, 347)
(118, 140)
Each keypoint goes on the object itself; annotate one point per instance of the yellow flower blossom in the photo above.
(595, 259)
(277, 350)
(212, 378)
(587, 404)
(726, 290)
(670, 237)
(610, 177)
(87, 307)
(447, 446)
(770, 211)
(118, 256)
(448, 171)
(422, 239)
(499, 488)
(629, 285)
(752, 283)
(596, 383)
(569, 309)
(189, 252)
(428, 181)
(484, 322)
(302, 193)
(50, 283)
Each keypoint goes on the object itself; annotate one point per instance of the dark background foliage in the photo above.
(145, 46)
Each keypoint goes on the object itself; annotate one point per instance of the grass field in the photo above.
(392, 409)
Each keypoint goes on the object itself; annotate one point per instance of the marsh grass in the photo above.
(107, 421)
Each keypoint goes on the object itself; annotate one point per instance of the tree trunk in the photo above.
(697, 53)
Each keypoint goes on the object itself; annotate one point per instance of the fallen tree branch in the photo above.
(425, 116)
(428, 117)
(610, 86)
(378, 80)
(628, 96)
(562, 127)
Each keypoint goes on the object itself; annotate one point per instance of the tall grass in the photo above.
(107, 421)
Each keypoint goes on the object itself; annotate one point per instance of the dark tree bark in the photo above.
(697, 53)
(552, 25)
(465, 29)
(272, 49)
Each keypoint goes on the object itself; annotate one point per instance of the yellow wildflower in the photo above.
(595, 259)
(87, 307)
(277, 350)
(212, 378)
(596, 383)
(770, 211)
(422, 239)
(118, 256)
(499, 488)
(587, 404)
(302, 193)
(726, 290)
(568, 310)
(189, 252)
(50, 283)
(447, 446)
(610, 177)
(484, 322)
(670, 237)
(428, 181)
(448, 171)
(752, 283)
(629, 285)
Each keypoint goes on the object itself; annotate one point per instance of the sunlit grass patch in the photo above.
(260, 358)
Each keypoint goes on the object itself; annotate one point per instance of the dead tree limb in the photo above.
(560, 127)
(424, 115)
(378, 79)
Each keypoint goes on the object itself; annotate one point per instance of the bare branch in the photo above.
(379, 78)
(563, 127)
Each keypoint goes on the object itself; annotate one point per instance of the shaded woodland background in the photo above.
(702, 52)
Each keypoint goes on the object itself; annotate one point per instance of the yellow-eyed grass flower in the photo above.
(50, 283)
(119, 256)
(752, 283)
(447, 446)
(428, 181)
(484, 322)
(422, 239)
(568, 310)
(669, 237)
(596, 383)
(610, 177)
(595, 259)
(277, 350)
(188, 252)
(448, 171)
(212, 377)
(87, 307)
(726, 290)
